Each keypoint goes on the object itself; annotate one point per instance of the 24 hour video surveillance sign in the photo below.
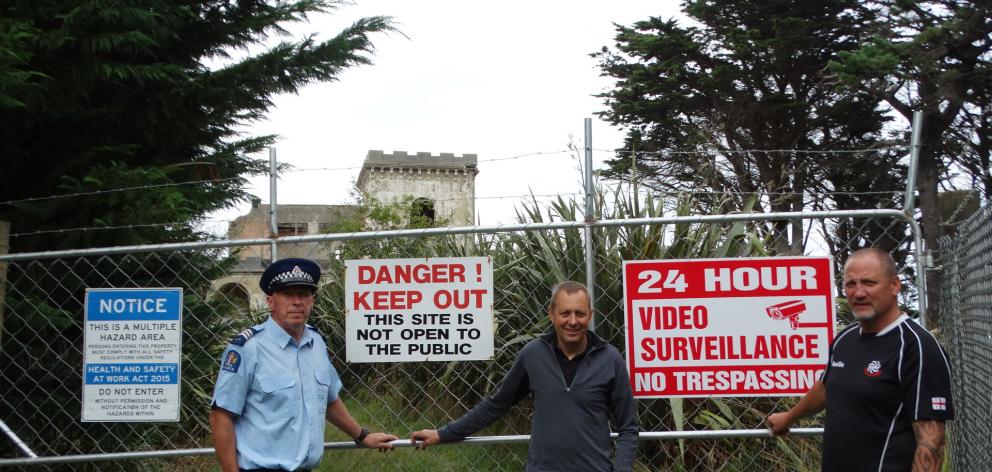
(727, 327)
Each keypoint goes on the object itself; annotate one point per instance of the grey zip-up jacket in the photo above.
(571, 424)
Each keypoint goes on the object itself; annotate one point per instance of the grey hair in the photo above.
(567, 286)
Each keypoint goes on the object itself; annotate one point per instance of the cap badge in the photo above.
(296, 273)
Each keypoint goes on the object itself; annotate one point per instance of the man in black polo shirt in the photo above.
(886, 387)
(579, 383)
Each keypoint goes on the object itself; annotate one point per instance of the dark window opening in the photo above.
(291, 229)
(422, 209)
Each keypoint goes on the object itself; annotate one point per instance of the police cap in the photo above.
(290, 272)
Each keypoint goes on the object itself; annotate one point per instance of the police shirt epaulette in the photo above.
(244, 336)
(318, 333)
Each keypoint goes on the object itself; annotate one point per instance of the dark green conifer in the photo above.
(98, 95)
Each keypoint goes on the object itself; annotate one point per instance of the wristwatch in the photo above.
(360, 440)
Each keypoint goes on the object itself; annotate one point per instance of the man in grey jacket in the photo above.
(579, 384)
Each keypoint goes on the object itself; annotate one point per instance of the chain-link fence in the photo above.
(41, 352)
(966, 330)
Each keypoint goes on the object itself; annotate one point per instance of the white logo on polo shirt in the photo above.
(938, 403)
(874, 369)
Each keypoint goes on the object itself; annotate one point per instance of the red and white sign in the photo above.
(727, 327)
(435, 309)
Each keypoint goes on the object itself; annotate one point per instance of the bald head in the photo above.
(885, 260)
(872, 286)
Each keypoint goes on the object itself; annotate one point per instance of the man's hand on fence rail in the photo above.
(380, 441)
(425, 437)
(810, 404)
(778, 423)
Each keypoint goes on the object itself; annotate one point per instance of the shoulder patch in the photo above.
(244, 336)
(232, 361)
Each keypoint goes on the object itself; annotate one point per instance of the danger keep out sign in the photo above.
(727, 327)
(436, 309)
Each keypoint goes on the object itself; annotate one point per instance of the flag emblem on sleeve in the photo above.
(938, 403)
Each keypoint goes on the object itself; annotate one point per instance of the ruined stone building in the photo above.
(438, 187)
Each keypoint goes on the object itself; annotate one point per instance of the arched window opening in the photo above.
(236, 294)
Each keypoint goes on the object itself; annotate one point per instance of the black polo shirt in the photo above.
(877, 385)
(570, 367)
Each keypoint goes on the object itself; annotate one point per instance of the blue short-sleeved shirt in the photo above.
(278, 392)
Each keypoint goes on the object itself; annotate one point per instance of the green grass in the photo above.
(389, 417)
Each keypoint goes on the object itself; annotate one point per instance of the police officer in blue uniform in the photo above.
(276, 384)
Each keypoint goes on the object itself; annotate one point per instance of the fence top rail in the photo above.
(475, 440)
(446, 231)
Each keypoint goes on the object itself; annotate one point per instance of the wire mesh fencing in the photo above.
(41, 353)
(966, 330)
(837, 237)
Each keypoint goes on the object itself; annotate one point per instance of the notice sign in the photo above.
(133, 348)
(436, 309)
(727, 327)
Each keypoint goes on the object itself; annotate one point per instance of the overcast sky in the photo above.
(496, 79)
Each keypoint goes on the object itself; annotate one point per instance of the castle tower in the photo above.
(442, 186)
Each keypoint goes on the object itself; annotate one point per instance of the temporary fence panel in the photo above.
(835, 236)
(966, 331)
(42, 337)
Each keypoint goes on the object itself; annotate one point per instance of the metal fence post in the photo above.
(273, 203)
(4, 248)
(590, 217)
(922, 254)
(914, 162)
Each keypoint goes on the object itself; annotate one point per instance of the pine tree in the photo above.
(135, 108)
(98, 96)
(701, 103)
(934, 57)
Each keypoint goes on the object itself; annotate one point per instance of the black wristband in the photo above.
(360, 440)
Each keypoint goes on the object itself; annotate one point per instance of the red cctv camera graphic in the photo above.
(789, 310)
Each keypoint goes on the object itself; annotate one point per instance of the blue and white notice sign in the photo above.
(132, 355)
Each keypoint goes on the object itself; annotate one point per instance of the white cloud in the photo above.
(497, 79)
